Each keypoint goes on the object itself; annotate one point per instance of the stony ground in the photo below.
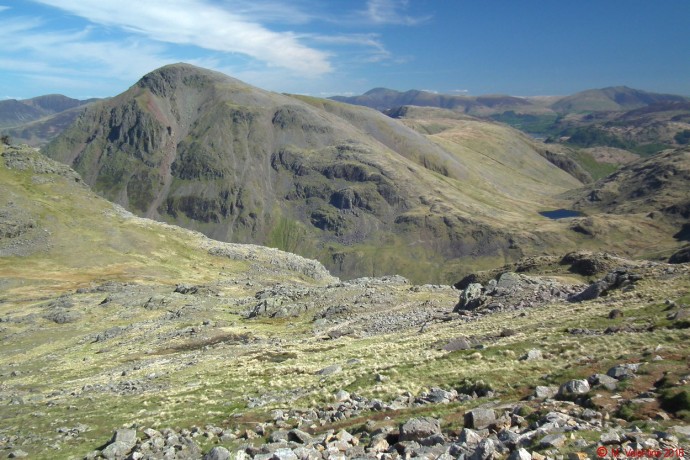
(370, 368)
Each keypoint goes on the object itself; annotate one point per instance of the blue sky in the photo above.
(98, 48)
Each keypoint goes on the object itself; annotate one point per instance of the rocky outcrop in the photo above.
(510, 291)
(617, 279)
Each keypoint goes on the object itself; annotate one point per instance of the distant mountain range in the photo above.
(430, 194)
(619, 98)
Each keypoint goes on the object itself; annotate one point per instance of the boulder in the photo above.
(520, 454)
(284, 454)
(460, 343)
(610, 438)
(417, 429)
(574, 387)
(479, 418)
(533, 355)
(556, 440)
(470, 437)
(330, 370)
(471, 298)
(122, 443)
(545, 392)
(605, 381)
(299, 436)
(623, 371)
(484, 451)
(217, 453)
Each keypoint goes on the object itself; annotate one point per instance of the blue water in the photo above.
(561, 214)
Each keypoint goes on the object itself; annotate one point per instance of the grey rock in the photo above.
(342, 395)
(186, 289)
(623, 371)
(610, 438)
(556, 440)
(484, 451)
(532, 355)
(470, 437)
(307, 453)
(127, 436)
(299, 436)
(116, 450)
(440, 396)
(683, 430)
(217, 453)
(330, 370)
(508, 438)
(520, 454)
(278, 435)
(545, 392)
(419, 428)
(508, 281)
(17, 454)
(604, 380)
(616, 279)
(471, 298)
(284, 454)
(460, 343)
(433, 440)
(479, 418)
(574, 387)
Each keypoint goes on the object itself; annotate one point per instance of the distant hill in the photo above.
(15, 112)
(37, 120)
(386, 99)
(617, 98)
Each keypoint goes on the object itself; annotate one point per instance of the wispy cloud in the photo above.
(369, 47)
(34, 50)
(205, 25)
(391, 12)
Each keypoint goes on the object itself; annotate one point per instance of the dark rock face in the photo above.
(681, 256)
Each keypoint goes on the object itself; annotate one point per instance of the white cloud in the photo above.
(205, 25)
(391, 12)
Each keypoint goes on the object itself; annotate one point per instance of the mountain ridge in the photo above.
(613, 98)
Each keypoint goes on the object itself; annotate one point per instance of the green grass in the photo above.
(596, 169)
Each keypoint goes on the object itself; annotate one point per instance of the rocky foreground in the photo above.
(637, 406)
